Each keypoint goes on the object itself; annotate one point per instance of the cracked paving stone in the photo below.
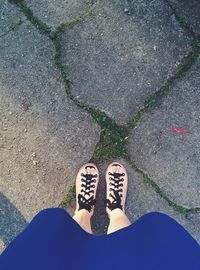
(44, 138)
(117, 59)
(55, 12)
(9, 16)
(190, 11)
(166, 143)
(141, 199)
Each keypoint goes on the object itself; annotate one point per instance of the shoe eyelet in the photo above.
(110, 189)
(123, 174)
(121, 195)
(109, 173)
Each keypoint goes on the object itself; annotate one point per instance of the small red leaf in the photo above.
(178, 130)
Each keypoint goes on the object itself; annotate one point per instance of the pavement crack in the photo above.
(113, 136)
(39, 24)
(183, 23)
(76, 19)
(152, 100)
(150, 182)
(13, 25)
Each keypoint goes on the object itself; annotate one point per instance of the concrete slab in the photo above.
(9, 16)
(166, 143)
(44, 137)
(117, 59)
(55, 12)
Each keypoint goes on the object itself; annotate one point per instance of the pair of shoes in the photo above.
(116, 187)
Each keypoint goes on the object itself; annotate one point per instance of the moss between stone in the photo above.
(178, 208)
(40, 25)
(12, 27)
(113, 136)
(152, 100)
(183, 23)
(111, 145)
(69, 197)
(76, 19)
(112, 139)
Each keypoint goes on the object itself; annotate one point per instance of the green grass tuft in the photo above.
(111, 145)
(69, 197)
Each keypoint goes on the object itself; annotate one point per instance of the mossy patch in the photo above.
(111, 145)
(40, 25)
(69, 197)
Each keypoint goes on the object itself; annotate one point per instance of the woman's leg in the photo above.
(82, 217)
(118, 220)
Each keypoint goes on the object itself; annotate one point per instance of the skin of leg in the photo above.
(118, 220)
(82, 217)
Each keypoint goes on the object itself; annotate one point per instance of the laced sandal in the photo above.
(86, 186)
(116, 187)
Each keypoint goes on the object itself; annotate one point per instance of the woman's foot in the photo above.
(86, 186)
(117, 183)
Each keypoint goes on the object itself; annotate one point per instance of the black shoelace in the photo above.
(115, 181)
(87, 187)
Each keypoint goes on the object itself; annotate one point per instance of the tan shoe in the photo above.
(116, 186)
(86, 186)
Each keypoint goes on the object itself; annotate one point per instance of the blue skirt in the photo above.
(54, 241)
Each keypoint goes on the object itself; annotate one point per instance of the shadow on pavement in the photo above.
(11, 220)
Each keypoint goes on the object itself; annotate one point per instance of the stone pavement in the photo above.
(189, 11)
(95, 81)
